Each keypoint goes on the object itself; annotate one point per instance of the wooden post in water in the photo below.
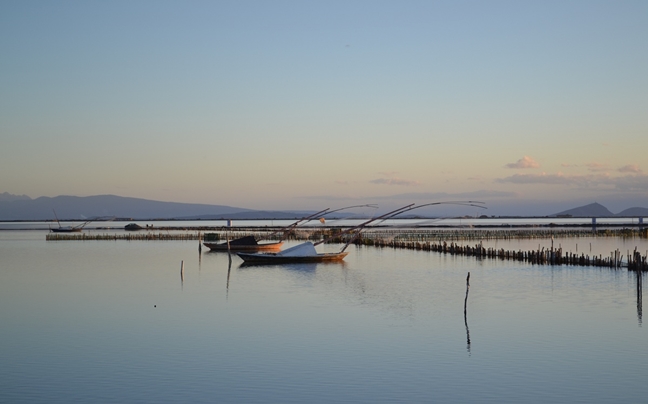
(182, 271)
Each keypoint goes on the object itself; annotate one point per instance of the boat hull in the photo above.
(66, 230)
(281, 259)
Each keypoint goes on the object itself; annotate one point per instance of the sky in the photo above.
(531, 107)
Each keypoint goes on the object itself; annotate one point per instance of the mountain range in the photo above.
(22, 207)
(14, 207)
(598, 210)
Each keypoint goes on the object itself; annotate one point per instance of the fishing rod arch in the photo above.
(307, 219)
(394, 213)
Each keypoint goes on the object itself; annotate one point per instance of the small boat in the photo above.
(247, 243)
(304, 252)
(133, 227)
(67, 229)
(251, 244)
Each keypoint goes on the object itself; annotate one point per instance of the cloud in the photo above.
(596, 167)
(524, 162)
(544, 178)
(630, 183)
(333, 198)
(627, 183)
(395, 181)
(630, 168)
(457, 195)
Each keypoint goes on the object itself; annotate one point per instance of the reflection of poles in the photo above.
(199, 250)
(465, 312)
(181, 273)
(229, 269)
(639, 295)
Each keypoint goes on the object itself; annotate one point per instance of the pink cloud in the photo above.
(524, 162)
(630, 168)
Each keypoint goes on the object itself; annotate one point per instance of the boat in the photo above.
(251, 244)
(306, 252)
(67, 229)
(132, 227)
(247, 243)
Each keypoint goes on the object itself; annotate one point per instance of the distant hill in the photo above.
(634, 212)
(6, 196)
(591, 210)
(598, 210)
(13, 207)
(22, 207)
(91, 207)
(252, 214)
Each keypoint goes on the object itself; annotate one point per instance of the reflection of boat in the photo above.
(301, 267)
(247, 243)
(304, 252)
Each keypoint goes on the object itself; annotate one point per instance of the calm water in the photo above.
(114, 322)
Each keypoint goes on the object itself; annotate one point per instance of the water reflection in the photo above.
(639, 295)
(466, 313)
(229, 269)
(199, 255)
(304, 267)
(291, 341)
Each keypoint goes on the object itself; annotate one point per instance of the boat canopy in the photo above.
(301, 250)
(247, 240)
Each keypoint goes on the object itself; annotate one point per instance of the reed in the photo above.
(445, 241)
(542, 256)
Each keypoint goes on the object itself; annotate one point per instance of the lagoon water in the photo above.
(113, 322)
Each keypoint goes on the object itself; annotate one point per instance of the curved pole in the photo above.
(361, 225)
(397, 212)
(286, 229)
(306, 219)
(324, 212)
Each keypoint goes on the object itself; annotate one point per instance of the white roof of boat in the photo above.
(306, 249)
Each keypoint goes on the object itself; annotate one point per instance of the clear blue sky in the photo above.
(530, 106)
